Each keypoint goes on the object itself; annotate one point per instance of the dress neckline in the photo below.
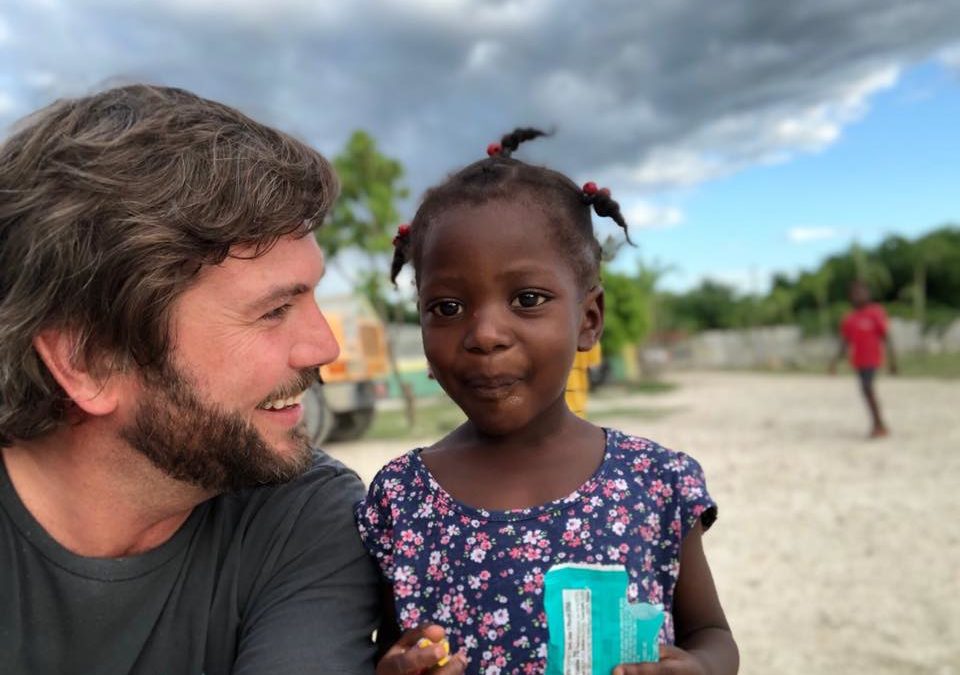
(473, 512)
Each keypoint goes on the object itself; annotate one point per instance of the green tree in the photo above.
(927, 255)
(817, 284)
(712, 304)
(627, 311)
(363, 224)
(870, 269)
(365, 216)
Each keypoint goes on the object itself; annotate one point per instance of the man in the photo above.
(160, 511)
(864, 332)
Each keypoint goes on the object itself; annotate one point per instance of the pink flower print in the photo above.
(410, 615)
(533, 536)
(655, 593)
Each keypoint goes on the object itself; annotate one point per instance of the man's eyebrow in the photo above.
(276, 294)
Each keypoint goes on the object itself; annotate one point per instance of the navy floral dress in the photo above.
(480, 573)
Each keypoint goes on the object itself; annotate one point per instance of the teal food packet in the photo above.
(592, 627)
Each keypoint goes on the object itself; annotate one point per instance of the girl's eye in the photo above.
(529, 299)
(446, 308)
(277, 313)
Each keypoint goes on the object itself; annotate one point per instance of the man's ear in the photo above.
(591, 323)
(91, 393)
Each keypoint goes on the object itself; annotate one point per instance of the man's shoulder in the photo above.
(325, 474)
(325, 493)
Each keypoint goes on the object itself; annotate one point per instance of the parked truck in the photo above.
(342, 408)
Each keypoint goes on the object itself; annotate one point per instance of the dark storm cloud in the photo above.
(653, 95)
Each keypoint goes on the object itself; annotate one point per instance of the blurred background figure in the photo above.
(864, 334)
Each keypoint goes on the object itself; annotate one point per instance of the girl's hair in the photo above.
(110, 206)
(500, 177)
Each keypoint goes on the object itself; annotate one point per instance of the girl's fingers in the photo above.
(417, 649)
(456, 665)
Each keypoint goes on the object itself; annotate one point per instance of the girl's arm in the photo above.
(701, 627)
(705, 644)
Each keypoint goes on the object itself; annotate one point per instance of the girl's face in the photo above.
(502, 313)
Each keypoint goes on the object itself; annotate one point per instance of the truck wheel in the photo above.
(317, 422)
(352, 425)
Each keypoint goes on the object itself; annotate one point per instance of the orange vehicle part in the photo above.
(344, 406)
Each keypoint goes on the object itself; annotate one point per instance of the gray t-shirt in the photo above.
(271, 581)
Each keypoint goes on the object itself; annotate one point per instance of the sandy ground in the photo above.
(832, 554)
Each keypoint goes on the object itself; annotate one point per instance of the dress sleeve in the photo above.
(693, 501)
(375, 520)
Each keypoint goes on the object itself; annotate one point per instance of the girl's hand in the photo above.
(406, 658)
(673, 661)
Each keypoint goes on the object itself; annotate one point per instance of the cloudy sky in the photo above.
(742, 137)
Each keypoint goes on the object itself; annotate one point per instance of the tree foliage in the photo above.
(918, 279)
(365, 216)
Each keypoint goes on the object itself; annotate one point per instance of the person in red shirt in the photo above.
(864, 334)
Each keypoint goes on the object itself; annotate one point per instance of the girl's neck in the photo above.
(538, 465)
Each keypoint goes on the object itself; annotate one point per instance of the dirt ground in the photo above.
(832, 554)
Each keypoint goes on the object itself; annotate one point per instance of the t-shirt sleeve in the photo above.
(693, 502)
(880, 320)
(313, 599)
(375, 521)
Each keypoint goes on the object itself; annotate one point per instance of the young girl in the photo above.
(506, 265)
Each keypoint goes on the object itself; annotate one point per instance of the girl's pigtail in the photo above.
(605, 206)
(512, 141)
(401, 246)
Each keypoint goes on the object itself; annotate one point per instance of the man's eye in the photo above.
(447, 308)
(529, 299)
(277, 313)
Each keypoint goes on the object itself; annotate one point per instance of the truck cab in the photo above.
(342, 408)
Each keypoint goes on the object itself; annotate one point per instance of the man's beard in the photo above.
(207, 446)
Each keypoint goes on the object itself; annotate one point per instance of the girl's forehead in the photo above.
(503, 218)
(491, 240)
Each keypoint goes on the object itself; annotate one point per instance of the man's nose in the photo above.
(315, 344)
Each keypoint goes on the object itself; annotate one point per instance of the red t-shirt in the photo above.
(864, 330)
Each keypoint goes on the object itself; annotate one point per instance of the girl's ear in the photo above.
(591, 322)
(93, 394)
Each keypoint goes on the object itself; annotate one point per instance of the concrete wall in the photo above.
(785, 346)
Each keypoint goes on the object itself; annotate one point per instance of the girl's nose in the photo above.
(488, 331)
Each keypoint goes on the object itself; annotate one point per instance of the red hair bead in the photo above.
(493, 149)
(589, 187)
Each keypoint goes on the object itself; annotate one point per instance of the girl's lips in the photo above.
(492, 388)
(496, 382)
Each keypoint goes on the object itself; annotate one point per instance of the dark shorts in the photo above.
(866, 376)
